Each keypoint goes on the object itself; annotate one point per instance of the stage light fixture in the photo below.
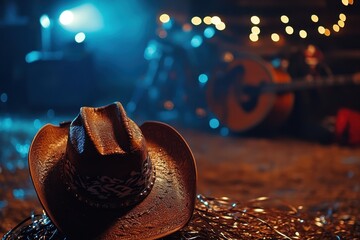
(66, 17)
(85, 17)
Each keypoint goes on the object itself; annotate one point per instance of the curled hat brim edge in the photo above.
(167, 208)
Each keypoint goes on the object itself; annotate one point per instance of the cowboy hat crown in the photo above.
(107, 162)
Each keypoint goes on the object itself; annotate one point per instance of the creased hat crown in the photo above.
(107, 163)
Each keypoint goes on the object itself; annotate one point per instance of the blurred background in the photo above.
(178, 61)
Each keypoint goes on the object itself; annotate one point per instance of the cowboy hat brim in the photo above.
(167, 208)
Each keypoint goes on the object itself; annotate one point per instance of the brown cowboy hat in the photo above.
(103, 177)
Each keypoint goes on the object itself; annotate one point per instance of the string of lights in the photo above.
(322, 26)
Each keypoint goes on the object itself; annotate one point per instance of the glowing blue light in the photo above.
(37, 123)
(80, 37)
(203, 78)
(32, 56)
(196, 41)
(50, 113)
(209, 32)
(224, 131)
(85, 17)
(3, 203)
(66, 17)
(22, 149)
(19, 193)
(276, 62)
(151, 51)
(167, 25)
(214, 123)
(6, 124)
(4, 97)
(131, 106)
(45, 21)
(10, 166)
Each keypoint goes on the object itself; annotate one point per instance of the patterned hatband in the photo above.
(109, 192)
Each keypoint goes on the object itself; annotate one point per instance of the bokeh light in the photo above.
(314, 18)
(85, 17)
(342, 17)
(214, 123)
(66, 17)
(80, 37)
(327, 32)
(321, 30)
(203, 78)
(275, 37)
(45, 21)
(215, 20)
(255, 20)
(302, 33)
(220, 26)
(284, 19)
(4, 97)
(255, 30)
(341, 23)
(254, 37)
(209, 32)
(289, 30)
(196, 20)
(164, 18)
(196, 41)
(207, 20)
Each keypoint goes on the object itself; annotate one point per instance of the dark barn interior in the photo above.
(266, 93)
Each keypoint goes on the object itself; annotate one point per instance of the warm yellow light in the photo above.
(345, 2)
(253, 37)
(255, 20)
(336, 28)
(342, 17)
(302, 33)
(164, 18)
(196, 21)
(341, 23)
(314, 18)
(215, 20)
(327, 32)
(220, 26)
(284, 19)
(207, 20)
(255, 30)
(289, 30)
(275, 37)
(321, 30)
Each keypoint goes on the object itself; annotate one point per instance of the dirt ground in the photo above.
(298, 172)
